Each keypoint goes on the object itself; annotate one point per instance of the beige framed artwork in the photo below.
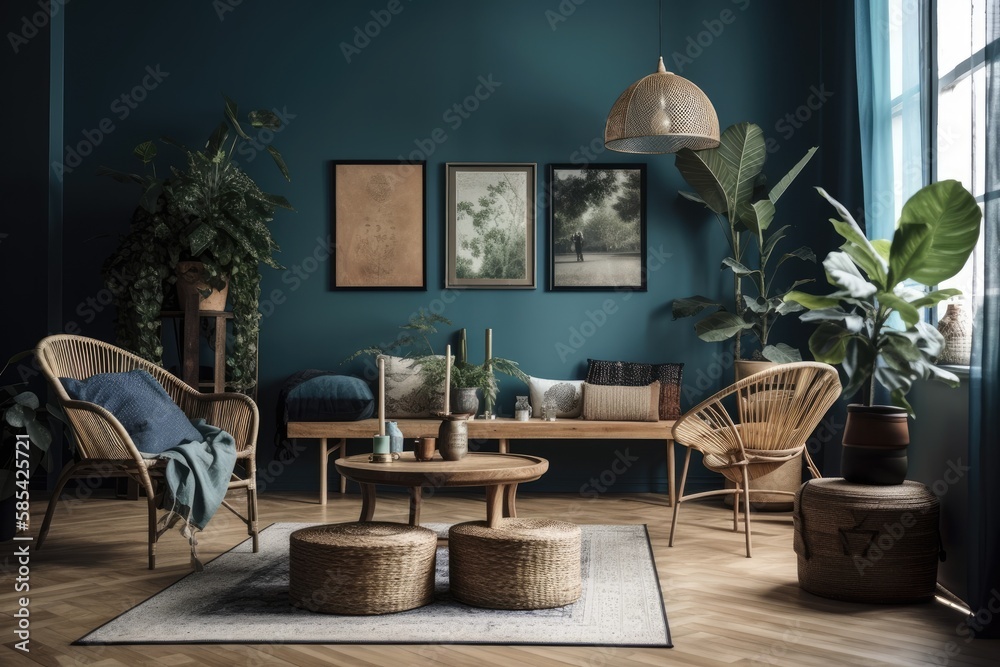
(379, 238)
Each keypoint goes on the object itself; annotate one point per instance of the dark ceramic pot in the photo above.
(465, 400)
(875, 442)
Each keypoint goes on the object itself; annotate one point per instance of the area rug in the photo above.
(242, 598)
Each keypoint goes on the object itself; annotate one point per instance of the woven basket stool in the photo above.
(521, 564)
(361, 568)
(867, 543)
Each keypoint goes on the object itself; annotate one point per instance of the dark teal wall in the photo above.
(557, 81)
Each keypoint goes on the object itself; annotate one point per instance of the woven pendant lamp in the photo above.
(661, 113)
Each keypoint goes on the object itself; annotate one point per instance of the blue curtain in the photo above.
(875, 102)
(984, 434)
(875, 111)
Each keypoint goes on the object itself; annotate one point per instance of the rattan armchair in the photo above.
(104, 448)
(776, 411)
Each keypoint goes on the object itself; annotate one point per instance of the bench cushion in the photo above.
(567, 394)
(617, 403)
(333, 398)
(405, 393)
(634, 374)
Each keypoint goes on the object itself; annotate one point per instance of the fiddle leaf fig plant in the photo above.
(728, 180)
(211, 211)
(874, 280)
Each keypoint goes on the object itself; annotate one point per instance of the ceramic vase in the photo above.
(395, 438)
(453, 438)
(956, 327)
(465, 400)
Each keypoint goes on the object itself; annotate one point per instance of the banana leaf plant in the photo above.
(728, 180)
(874, 280)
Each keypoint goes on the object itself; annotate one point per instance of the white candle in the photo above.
(381, 395)
(489, 344)
(447, 379)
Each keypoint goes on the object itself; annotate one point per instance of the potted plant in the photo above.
(20, 413)
(728, 180)
(412, 342)
(210, 211)
(871, 324)
(470, 380)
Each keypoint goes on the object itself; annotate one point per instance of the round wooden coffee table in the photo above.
(499, 473)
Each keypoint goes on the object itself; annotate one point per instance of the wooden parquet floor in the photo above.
(723, 608)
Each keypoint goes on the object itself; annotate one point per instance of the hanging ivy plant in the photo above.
(210, 211)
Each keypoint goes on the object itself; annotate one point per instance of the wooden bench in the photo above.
(503, 430)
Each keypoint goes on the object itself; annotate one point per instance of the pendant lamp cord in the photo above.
(659, 23)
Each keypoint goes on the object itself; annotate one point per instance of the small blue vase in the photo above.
(395, 437)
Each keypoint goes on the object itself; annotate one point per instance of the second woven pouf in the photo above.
(361, 568)
(867, 543)
(521, 564)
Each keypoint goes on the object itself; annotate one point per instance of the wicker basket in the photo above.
(361, 568)
(867, 543)
(522, 564)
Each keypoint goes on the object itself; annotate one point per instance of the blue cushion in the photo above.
(333, 398)
(152, 419)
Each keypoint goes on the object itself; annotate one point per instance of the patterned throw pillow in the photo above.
(633, 374)
(405, 396)
(618, 403)
(567, 394)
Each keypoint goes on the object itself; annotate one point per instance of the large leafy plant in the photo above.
(875, 280)
(209, 211)
(729, 181)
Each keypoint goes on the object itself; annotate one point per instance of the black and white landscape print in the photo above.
(597, 226)
(491, 225)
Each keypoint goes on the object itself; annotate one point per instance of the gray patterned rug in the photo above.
(242, 598)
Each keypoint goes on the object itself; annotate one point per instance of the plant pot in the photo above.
(875, 442)
(786, 477)
(744, 368)
(465, 400)
(191, 278)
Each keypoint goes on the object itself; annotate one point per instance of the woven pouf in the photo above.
(361, 568)
(867, 543)
(521, 564)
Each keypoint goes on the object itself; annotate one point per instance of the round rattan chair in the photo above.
(104, 448)
(776, 411)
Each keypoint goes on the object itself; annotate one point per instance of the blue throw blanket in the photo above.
(197, 475)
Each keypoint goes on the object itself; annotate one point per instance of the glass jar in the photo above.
(549, 409)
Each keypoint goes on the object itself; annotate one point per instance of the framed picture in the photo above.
(490, 221)
(597, 227)
(379, 239)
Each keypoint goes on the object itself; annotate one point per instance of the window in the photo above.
(957, 91)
